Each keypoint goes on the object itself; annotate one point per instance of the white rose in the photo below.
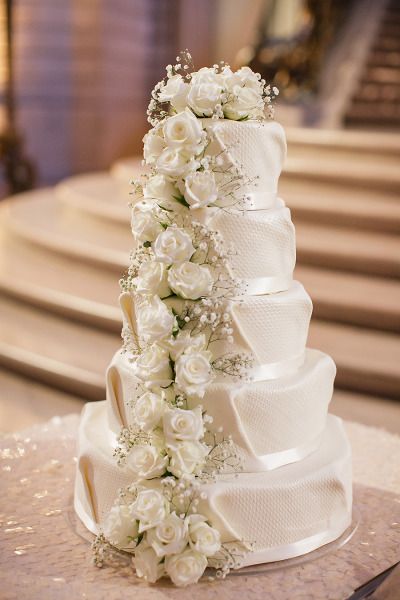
(186, 457)
(245, 103)
(169, 537)
(185, 568)
(194, 372)
(153, 279)
(171, 88)
(146, 462)
(181, 424)
(147, 563)
(150, 508)
(153, 367)
(145, 222)
(202, 537)
(249, 79)
(244, 77)
(204, 97)
(158, 187)
(175, 162)
(173, 246)
(154, 320)
(148, 410)
(120, 526)
(184, 131)
(153, 146)
(200, 189)
(205, 75)
(190, 280)
(184, 342)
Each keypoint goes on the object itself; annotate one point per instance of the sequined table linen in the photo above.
(44, 557)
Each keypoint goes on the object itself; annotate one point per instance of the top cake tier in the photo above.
(257, 147)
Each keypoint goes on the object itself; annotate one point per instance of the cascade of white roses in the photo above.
(181, 284)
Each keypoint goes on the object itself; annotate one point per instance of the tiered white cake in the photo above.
(293, 492)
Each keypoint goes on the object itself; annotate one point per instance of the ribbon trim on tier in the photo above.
(274, 370)
(258, 286)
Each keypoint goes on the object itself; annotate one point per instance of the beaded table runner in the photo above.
(44, 557)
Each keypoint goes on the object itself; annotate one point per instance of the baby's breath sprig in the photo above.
(127, 439)
(229, 556)
(234, 365)
(223, 456)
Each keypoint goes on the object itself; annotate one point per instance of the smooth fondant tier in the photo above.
(272, 423)
(264, 242)
(284, 513)
(273, 328)
(257, 148)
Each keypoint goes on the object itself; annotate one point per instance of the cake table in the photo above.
(45, 553)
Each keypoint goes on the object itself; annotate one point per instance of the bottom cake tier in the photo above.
(283, 513)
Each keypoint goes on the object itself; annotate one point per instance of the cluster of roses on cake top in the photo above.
(176, 301)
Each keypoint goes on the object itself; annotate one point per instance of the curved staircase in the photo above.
(64, 249)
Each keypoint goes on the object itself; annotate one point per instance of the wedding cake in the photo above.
(214, 447)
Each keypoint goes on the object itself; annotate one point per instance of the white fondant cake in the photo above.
(216, 424)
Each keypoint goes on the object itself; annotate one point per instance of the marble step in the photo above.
(325, 204)
(350, 250)
(63, 285)
(355, 148)
(367, 360)
(38, 218)
(67, 355)
(343, 173)
(352, 298)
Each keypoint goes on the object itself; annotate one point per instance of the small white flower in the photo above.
(153, 145)
(149, 508)
(147, 564)
(154, 320)
(184, 342)
(185, 568)
(173, 245)
(186, 457)
(184, 131)
(190, 280)
(153, 279)
(145, 222)
(120, 526)
(153, 367)
(148, 410)
(194, 373)
(202, 537)
(200, 189)
(146, 462)
(169, 537)
(179, 424)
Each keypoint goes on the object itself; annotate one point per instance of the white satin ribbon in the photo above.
(277, 369)
(258, 286)
(300, 547)
(260, 200)
(272, 461)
